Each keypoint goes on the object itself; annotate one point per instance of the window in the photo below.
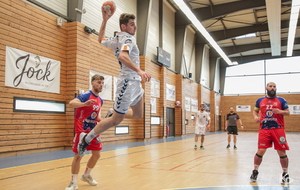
(251, 78)
(38, 106)
(155, 120)
(253, 68)
(244, 85)
(121, 130)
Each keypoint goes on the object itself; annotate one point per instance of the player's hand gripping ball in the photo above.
(109, 6)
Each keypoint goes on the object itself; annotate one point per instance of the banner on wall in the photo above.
(170, 94)
(207, 107)
(294, 109)
(187, 103)
(107, 87)
(243, 108)
(153, 105)
(31, 71)
(194, 105)
(155, 88)
(115, 87)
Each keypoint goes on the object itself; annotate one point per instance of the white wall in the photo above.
(153, 33)
(169, 32)
(217, 77)
(60, 6)
(189, 53)
(205, 67)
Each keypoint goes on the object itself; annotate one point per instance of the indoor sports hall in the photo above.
(240, 55)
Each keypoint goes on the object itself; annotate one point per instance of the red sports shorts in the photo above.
(277, 136)
(95, 143)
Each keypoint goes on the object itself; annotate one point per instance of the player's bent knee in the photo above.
(259, 156)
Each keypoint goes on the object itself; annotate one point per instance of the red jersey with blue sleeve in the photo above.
(85, 117)
(268, 119)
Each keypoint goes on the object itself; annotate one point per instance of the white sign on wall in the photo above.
(187, 103)
(107, 87)
(170, 94)
(294, 109)
(153, 105)
(243, 108)
(194, 105)
(30, 71)
(155, 88)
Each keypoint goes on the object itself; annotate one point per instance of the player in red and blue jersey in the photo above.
(87, 115)
(272, 109)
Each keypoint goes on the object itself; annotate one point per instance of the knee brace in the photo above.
(259, 156)
(282, 157)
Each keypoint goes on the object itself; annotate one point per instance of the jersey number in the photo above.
(269, 107)
(95, 107)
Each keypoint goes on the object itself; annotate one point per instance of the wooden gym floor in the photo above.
(170, 163)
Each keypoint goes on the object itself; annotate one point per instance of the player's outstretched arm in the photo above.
(105, 17)
(76, 103)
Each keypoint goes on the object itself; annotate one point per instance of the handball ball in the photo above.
(177, 103)
(109, 6)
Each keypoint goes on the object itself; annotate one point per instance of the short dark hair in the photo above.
(202, 105)
(97, 77)
(124, 18)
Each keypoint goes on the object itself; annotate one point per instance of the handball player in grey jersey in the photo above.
(129, 89)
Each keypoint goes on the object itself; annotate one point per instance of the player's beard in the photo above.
(202, 109)
(231, 111)
(271, 93)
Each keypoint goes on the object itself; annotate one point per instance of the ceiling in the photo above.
(227, 19)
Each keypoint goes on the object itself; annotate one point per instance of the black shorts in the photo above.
(232, 130)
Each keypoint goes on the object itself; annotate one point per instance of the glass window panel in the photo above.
(244, 85)
(285, 83)
(252, 68)
(283, 65)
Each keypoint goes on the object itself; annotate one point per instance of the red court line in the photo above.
(160, 158)
(202, 163)
(191, 161)
(170, 155)
(186, 171)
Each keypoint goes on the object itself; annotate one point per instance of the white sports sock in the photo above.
(87, 171)
(74, 178)
(90, 136)
(195, 143)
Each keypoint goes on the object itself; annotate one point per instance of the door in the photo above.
(170, 122)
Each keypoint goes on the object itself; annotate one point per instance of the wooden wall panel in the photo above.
(291, 122)
(29, 29)
(155, 71)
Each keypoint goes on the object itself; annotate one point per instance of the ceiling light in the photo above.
(235, 63)
(251, 35)
(293, 26)
(185, 9)
(274, 22)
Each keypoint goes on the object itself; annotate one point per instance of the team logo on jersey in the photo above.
(94, 115)
(269, 113)
(282, 140)
(128, 41)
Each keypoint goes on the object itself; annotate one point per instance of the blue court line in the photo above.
(20, 160)
(279, 187)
